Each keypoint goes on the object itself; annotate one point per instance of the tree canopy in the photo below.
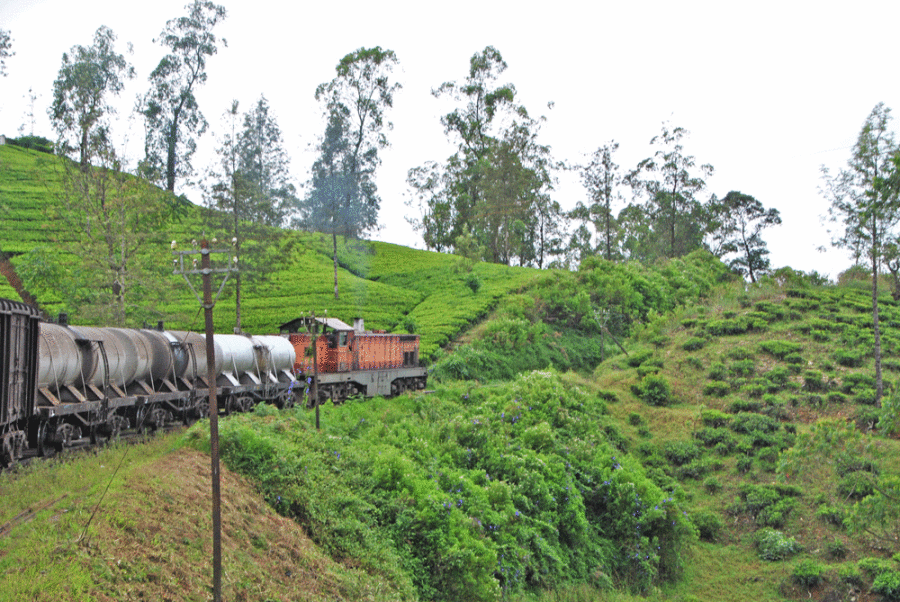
(172, 116)
(80, 107)
(496, 188)
(865, 209)
(343, 198)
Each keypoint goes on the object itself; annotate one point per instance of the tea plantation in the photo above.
(619, 432)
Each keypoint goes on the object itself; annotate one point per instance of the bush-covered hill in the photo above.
(392, 287)
(622, 430)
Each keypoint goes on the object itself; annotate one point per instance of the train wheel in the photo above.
(44, 447)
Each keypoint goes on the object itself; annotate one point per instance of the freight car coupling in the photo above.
(62, 384)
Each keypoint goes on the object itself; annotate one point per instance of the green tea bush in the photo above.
(856, 485)
(712, 485)
(718, 328)
(708, 524)
(711, 436)
(836, 549)
(716, 388)
(746, 367)
(694, 344)
(681, 452)
(850, 359)
(832, 515)
(772, 545)
(849, 574)
(855, 381)
(655, 391)
(813, 381)
(808, 572)
(888, 585)
(717, 371)
(779, 348)
(875, 566)
(714, 418)
(749, 422)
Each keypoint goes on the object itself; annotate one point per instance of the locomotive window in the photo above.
(343, 339)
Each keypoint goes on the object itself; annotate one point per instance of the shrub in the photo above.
(856, 485)
(716, 388)
(749, 422)
(726, 327)
(717, 371)
(710, 436)
(772, 545)
(714, 418)
(831, 515)
(695, 469)
(753, 390)
(849, 574)
(745, 367)
(712, 485)
(681, 452)
(473, 281)
(875, 566)
(836, 549)
(744, 405)
(807, 572)
(693, 344)
(854, 381)
(655, 390)
(812, 381)
(635, 419)
(708, 524)
(849, 359)
(744, 464)
(780, 349)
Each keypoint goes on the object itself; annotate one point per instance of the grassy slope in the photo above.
(149, 536)
(386, 283)
(728, 568)
(380, 282)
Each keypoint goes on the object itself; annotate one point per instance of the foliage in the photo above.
(673, 221)
(741, 221)
(866, 207)
(655, 391)
(779, 348)
(172, 115)
(80, 107)
(343, 199)
(808, 572)
(5, 52)
(888, 585)
(496, 187)
(498, 490)
(601, 179)
(772, 545)
(709, 525)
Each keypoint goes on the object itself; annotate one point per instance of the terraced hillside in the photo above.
(392, 287)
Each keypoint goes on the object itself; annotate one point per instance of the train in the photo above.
(62, 383)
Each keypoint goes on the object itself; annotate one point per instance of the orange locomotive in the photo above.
(354, 361)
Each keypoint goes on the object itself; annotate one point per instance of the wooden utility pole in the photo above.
(208, 303)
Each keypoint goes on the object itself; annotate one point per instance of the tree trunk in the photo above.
(334, 247)
(879, 385)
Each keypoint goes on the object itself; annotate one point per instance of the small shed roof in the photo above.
(300, 324)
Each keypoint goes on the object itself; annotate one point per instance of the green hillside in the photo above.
(392, 287)
(620, 432)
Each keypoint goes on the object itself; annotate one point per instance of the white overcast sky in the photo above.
(770, 91)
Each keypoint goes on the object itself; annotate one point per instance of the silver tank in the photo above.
(238, 356)
(198, 342)
(59, 362)
(279, 353)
